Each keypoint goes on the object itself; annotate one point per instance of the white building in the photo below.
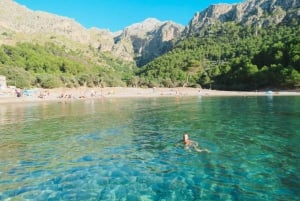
(3, 82)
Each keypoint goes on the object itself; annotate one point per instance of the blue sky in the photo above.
(117, 14)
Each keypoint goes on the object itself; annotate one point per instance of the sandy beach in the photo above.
(69, 94)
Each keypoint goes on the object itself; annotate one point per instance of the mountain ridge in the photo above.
(140, 42)
(21, 24)
(261, 13)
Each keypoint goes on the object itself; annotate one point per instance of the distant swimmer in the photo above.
(189, 143)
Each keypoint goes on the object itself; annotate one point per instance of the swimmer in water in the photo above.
(188, 143)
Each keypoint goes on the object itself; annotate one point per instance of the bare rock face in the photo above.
(148, 39)
(103, 40)
(131, 41)
(168, 31)
(160, 41)
(261, 13)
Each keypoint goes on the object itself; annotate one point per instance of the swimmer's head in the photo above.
(185, 137)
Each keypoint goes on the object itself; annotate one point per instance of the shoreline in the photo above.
(70, 94)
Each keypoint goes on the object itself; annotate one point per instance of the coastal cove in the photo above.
(124, 148)
(205, 109)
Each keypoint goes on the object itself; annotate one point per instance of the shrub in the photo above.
(16, 76)
(49, 81)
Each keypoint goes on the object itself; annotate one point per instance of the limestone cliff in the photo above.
(261, 13)
(147, 40)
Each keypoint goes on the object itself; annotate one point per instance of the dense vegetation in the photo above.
(229, 56)
(49, 66)
(224, 56)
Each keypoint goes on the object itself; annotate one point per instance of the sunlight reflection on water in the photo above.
(125, 149)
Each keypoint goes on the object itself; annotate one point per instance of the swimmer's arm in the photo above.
(195, 145)
(201, 150)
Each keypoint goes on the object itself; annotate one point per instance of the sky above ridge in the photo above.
(115, 15)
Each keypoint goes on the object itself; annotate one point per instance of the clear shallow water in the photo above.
(124, 149)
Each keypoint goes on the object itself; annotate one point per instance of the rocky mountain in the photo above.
(261, 13)
(147, 40)
(20, 24)
(140, 42)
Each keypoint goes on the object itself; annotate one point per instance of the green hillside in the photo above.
(232, 57)
(49, 66)
(224, 56)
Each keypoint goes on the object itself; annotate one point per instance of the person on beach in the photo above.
(18, 92)
(189, 143)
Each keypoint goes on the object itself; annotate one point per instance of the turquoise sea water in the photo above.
(127, 149)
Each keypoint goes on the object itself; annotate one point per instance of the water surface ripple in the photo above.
(127, 149)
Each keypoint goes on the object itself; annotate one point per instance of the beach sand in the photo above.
(69, 94)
